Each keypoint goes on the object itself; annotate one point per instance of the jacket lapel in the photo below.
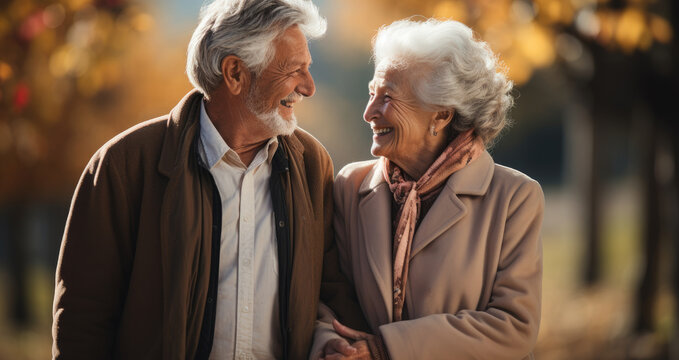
(299, 208)
(303, 242)
(375, 217)
(448, 209)
(184, 244)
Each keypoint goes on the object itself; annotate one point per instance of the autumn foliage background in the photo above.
(595, 122)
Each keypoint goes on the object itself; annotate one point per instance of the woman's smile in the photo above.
(381, 131)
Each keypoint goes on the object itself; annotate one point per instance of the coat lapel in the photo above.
(375, 216)
(448, 209)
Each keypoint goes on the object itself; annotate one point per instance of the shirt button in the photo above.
(246, 261)
(246, 308)
(281, 223)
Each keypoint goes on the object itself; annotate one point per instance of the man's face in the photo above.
(283, 83)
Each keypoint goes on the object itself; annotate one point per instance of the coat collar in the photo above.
(473, 179)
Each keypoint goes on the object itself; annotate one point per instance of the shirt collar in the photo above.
(214, 147)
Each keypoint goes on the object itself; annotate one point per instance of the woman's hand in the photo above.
(340, 349)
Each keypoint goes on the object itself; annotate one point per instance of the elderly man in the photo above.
(206, 233)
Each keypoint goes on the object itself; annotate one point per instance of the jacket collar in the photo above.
(294, 145)
(472, 179)
(183, 125)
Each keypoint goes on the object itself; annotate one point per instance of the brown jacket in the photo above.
(474, 284)
(134, 267)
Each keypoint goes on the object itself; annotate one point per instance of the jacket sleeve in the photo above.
(93, 265)
(338, 297)
(508, 327)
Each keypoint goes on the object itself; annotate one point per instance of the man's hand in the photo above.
(361, 351)
(339, 349)
(338, 346)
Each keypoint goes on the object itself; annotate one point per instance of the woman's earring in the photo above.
(432, 130)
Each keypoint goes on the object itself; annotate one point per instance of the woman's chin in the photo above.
(376, 150)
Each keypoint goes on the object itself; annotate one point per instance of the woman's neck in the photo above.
(417, 163)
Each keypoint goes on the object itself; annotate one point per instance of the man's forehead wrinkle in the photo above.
(298, 61)
(294, 58)
(288, 63)
(301, 57)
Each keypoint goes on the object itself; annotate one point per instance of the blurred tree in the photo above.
(56, 55)
(660, 89)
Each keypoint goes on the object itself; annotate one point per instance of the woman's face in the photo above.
(399, 123)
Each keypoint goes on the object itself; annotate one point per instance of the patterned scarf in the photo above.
(408, 194)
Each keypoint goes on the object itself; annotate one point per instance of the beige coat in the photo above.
(474, 285)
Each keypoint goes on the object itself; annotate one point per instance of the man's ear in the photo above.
(442, 119)
(235, 74)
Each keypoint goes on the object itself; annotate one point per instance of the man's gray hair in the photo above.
(244, 28)
(450, 70)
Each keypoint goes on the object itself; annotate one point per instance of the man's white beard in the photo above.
(272, 119)
(276, 123)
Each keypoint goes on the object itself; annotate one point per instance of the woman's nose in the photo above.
(370, 110)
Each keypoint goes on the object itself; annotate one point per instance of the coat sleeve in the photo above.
(338, 297)
(93, 265)
(508, 327)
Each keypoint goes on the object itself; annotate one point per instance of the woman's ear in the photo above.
(442, 119)
(235, 74)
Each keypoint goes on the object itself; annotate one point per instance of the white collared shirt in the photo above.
(247, 323)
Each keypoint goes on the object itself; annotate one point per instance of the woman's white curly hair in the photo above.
(450, 70)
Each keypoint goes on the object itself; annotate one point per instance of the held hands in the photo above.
(339, 349)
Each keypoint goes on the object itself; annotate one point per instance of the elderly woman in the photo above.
(442, 244)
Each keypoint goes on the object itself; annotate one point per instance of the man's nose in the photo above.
(307, 86)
